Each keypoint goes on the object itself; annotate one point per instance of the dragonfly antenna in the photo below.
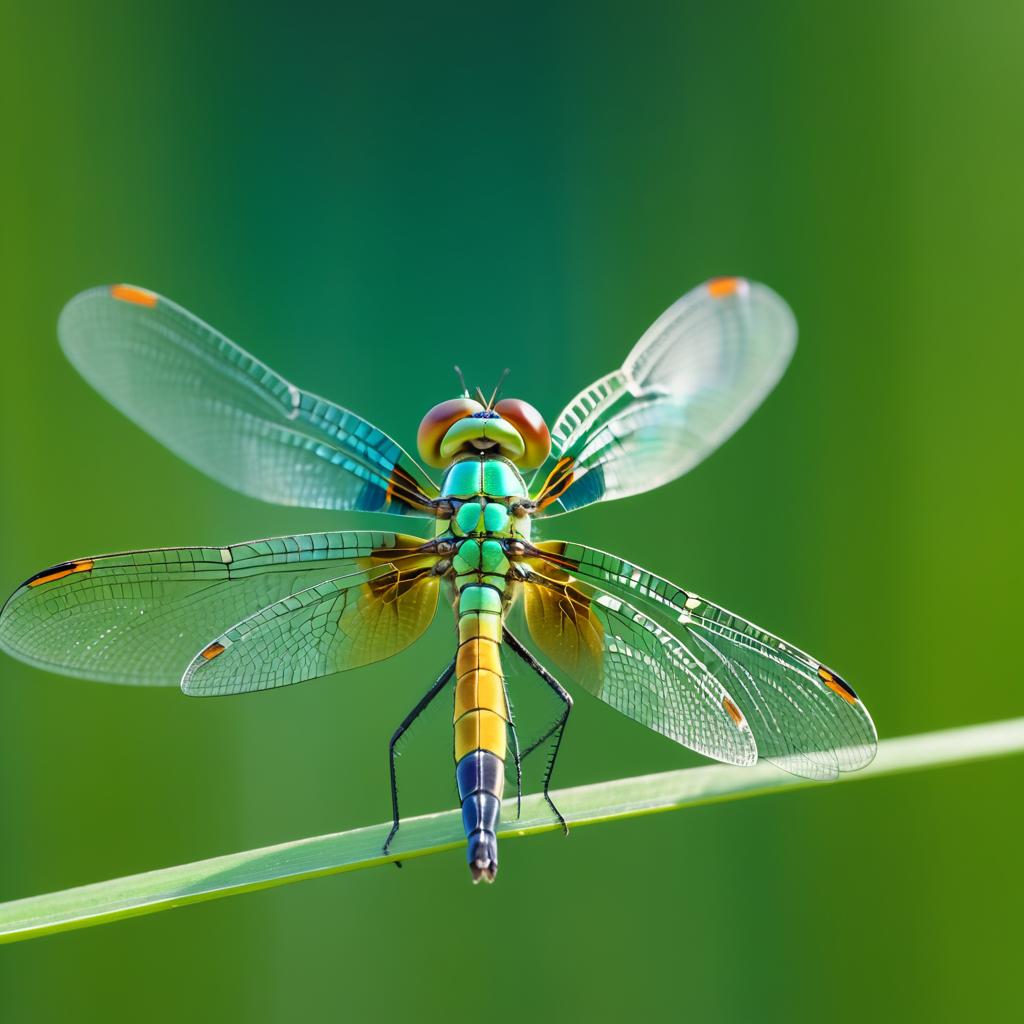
(462, 381)
(497, 388)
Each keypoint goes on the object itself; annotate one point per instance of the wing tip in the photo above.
(839, 686)
(742, 288)
(58, 572)
(191, 683)
(723, 287)
(121, 291)
(70, 327)
(135, 295)
(186, 682)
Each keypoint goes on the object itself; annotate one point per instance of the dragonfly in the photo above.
(269, 613)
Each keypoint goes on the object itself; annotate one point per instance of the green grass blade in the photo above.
(433, 833)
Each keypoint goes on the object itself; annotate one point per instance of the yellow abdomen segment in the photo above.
(481, 711)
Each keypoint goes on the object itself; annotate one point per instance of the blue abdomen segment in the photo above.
(481, 777)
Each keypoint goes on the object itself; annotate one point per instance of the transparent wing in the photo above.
(139, 617)
(226, 413)
(803, 716)
(690, 382)
(336, 625)
(632, 663)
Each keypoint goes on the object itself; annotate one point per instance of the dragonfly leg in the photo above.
(556, 730)
(424, 703)
(517, 758)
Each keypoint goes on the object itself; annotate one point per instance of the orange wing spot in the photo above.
(212, 651)
(722, 287)
(734, 712)
(836, 685)
(129, 293)
(58, 572)
(558, 482)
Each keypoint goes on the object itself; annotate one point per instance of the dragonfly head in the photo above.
(512, 428)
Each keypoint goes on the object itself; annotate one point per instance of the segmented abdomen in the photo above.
(481, 722)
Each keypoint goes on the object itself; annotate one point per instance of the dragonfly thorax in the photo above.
(484, 494)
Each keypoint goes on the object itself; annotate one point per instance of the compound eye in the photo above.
(532, 429)
(435, 425)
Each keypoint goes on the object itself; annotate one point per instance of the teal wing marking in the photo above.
(801, 715)
(338, 624)
(228, 414)
(690, 382)
(141, 616)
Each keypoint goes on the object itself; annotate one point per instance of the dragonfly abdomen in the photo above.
(481, 720)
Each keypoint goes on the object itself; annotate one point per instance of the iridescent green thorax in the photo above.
(489, 475)
(483, 492)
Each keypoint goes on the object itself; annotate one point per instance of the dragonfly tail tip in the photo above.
(483, 872)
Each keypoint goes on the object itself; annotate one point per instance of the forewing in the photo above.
(627, 659)
(803, 716)
(690, 382)
(228, 414)
(336, 625)
(140, 616)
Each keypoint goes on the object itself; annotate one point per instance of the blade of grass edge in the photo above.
(252, 870)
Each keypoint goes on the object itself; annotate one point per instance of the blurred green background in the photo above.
(362, 198)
